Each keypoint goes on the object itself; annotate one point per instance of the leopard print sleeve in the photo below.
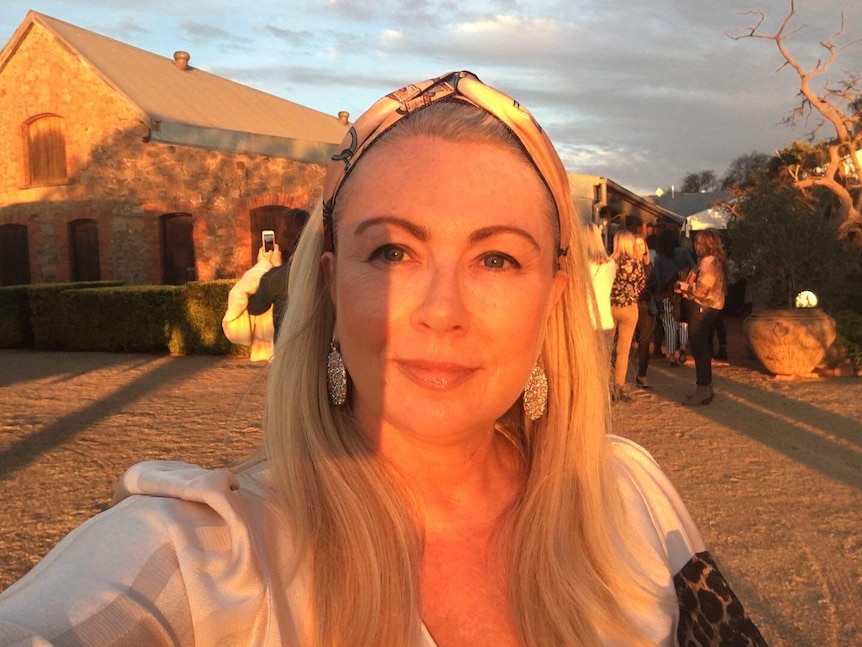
(710, 614)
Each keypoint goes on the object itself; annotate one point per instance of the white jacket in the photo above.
(243, 328)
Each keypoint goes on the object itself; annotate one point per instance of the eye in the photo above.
(499, 261)
(389, 254)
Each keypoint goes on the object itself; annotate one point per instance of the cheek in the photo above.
(363, 305)
(511, 313)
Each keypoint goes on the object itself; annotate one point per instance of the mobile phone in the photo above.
(267, 236)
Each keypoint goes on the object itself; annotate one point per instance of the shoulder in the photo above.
(185, 497)
(191, 551)
(653, 504)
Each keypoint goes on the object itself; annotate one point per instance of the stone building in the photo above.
(119, 164)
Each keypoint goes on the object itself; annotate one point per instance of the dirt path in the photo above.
(772, 471)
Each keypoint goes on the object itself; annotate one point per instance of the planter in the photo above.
(790, 342)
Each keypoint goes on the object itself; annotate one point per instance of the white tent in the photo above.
(711, 218)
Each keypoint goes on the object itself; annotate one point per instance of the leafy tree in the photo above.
(698, 182)
(785, 245)
(801, 160)
(837, 104)
(745, 169)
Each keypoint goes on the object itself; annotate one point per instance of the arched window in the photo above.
(14, 255)
(46, 150)
(178, 249)
(84, 250)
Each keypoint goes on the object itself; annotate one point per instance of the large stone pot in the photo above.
(790, 342)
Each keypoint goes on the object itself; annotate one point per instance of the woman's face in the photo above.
(640, 247)
(444, 277)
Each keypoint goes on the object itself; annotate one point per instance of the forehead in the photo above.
(422, 173)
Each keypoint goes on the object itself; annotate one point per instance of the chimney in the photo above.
(181, 60)
(344, 117)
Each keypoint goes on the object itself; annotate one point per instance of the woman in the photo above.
(646, 313)
(628, 284)
(602, 270)
(438, 469)
(670, 260)
(703, 293)
(242, 322)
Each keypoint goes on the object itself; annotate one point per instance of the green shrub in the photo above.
(106, 316)
(784, 245)
(126, 319)
(199, 330)
(15, 328)
(49, 313)
(849, 325)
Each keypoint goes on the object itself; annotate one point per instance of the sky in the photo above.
(639, 91)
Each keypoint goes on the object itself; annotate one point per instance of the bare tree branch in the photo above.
(839, 105)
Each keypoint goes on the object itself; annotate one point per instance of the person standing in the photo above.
(628, 284)
(239, 324)
(670, 260)
(646, 313)
(703, 298)
(272, 290)
(602, 270)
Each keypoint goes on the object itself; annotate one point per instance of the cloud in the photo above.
(292, 37)
(202, 33)
(351, 9)
(125, 30)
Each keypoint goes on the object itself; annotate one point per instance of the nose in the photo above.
(442, 307)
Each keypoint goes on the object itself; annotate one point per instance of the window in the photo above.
(178, 249)
(84, 250)
(14, 255)
(46, 150)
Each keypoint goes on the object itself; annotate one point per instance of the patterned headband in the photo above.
(464, 86)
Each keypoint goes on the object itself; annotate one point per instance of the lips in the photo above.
(436, 376)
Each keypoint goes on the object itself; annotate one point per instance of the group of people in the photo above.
(637, 287)
(438, 466)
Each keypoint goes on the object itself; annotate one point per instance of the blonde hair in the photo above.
(596, 251)
(624, 245)
(574, 577)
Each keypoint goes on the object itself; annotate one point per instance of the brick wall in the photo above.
(124, 182)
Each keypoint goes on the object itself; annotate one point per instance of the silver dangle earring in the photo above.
(336, 376)
(536, 392)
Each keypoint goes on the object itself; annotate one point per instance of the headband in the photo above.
(464, 86)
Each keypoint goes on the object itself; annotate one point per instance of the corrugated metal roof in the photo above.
(193, 97)
(686, 204)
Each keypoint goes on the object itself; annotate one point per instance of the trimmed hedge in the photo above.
(155, 318)
(26, 308)
(15, 328)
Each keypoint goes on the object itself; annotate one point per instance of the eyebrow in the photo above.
(416, 230)
(421, 233)
(487, 232)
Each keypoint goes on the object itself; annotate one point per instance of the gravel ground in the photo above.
(771, 470)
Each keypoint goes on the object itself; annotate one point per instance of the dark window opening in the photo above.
(178, 249)
(84, 250)
(14, 255)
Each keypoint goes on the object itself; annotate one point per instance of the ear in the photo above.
(560, 280)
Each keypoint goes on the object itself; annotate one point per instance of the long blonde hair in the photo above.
(624, 245)
(573, 575)
(596, 251)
